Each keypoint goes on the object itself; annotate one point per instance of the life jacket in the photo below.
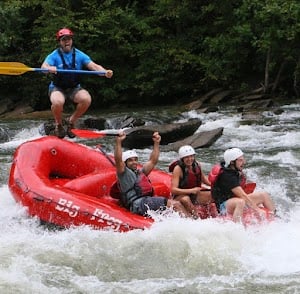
(142, 188)
(217, 170)
(190, 178)
(213, 177)
(66, 80)
(214, 173)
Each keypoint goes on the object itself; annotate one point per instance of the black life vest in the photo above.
(142, 188)
(213, 177)
(66, 80)
(190, 178)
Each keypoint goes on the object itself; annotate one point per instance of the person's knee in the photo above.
(57, 103)
(261, 196)
(83, 97)
(265, 195)
(87, 100)
(185, 201)
(240, 203)
(175, 204)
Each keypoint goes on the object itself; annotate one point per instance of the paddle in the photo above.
(93, 134)
(88, 134)
(17, 68)
(106, 155)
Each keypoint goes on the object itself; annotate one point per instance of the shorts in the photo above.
(68, 93)
(142, 205)
(223, 210)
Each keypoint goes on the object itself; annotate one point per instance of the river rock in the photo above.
(198, 140)
(4, 136)
(141, 137)
(100, 123)
(95, 123)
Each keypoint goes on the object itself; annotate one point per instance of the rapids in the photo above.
(175, 255)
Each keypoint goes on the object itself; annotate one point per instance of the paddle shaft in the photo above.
(99, 134)
(106, 155)
(17, 68)
(93, 134)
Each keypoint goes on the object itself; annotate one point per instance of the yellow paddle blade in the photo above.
(14, 68)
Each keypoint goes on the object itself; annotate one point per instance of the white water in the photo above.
(175, 255)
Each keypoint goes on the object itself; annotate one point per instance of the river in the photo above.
(175, 255)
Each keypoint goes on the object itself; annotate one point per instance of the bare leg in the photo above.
(186, 202)
(57, 100)
(178, 207)
(264, 199)
(83, 100)
(235, 207)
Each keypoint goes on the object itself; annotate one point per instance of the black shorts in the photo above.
(142, 205)
(68, 93)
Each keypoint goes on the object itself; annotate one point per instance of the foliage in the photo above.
(161, 51)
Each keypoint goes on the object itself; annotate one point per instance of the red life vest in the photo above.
(214, 173)
(190, 177)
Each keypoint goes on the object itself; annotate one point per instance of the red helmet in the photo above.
(63, 32)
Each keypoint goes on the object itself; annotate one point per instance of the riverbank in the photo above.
(209, 102)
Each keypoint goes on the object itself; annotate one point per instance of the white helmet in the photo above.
(128, 154)
(232, 154)
(186, 150)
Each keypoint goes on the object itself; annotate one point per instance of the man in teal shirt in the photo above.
(67, 85)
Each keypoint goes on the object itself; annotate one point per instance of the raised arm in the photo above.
(120, 165)
(150, 164)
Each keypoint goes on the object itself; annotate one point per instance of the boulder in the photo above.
(95, 123)
(140, 137)
(100, 123)
(199, 140)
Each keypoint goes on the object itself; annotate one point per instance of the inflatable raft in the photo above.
(68, 184)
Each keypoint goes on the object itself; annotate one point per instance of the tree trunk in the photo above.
(295, 84)
(267, 70)
(282, 66)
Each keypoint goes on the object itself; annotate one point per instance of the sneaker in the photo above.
(59, 131)
(70, 134)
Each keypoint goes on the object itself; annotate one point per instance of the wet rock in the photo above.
(100, 123)
(140, 137)
(95, 123)
(222, 96)
(197, 103)
(6, 106)
(4, 136)
(258, 105)
(199, 140)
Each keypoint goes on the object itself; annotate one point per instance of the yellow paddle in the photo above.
(18, 68)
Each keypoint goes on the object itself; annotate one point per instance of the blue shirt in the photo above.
(54, 59)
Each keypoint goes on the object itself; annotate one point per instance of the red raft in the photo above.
(68, 184)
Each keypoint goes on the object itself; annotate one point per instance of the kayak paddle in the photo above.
(18, 68)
